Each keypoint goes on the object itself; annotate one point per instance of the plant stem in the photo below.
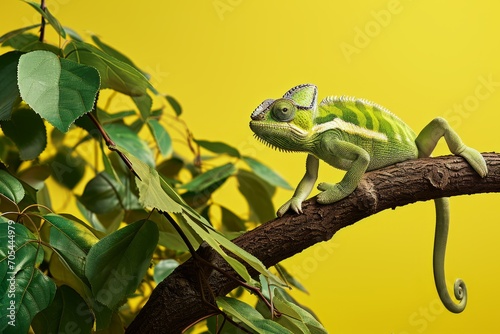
(111, 144)
(42, 25)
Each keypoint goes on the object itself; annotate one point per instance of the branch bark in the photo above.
(176, 303)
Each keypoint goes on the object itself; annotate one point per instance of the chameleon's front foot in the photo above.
(331, 193)
(293, 203)
(476, 160)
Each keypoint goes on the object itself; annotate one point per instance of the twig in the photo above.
(111, 144)
(42, 25)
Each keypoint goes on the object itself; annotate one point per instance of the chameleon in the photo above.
(356, 135)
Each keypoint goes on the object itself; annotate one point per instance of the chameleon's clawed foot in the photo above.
(476, 160)
(331, 193)
(294, 203)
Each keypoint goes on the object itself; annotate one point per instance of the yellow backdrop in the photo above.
(420, 59)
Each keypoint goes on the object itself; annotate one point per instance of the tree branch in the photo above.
(176, 302)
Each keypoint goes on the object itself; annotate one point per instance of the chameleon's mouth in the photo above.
(268, 144)
(279, 136)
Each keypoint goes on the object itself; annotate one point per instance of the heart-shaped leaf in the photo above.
(58, 89)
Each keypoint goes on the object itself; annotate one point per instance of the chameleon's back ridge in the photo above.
(357, 135)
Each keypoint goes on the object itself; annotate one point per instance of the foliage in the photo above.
(144, 206)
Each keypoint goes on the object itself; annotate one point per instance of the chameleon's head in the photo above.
(286, 123)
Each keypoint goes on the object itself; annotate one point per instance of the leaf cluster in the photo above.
(141, 206)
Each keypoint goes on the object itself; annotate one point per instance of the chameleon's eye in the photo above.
(283, 110)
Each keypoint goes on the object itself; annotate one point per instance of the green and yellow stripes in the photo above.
(366, 118)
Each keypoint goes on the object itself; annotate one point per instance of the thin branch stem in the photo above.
(179, 230)
(111, 144)
(42, 25)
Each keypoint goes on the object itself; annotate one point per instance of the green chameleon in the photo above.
(357, 135)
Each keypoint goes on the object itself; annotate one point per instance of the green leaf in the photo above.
(257, 195)
(10, 187)
(216, 324)
(72, 241)
(290, 279)
(231, 222)
(219, 147)
(163, 269)
(105, 117)
(68, 312)
(170, 168)
(215, 240)
(35, 175)
(57, 89)
(27, 130)
(130, 141)
(24, 290)
(13, 33)
(174, 104)
(199, 198)
(9, 93)
(22, 42)
(112, 51)
(67, 167)
(210, 239)
(103, 194)
(73, 34)
(144, 104)
(115, 74)
(205, 180)
(49, 17)
(115, 324)
(34, 292)
(169, 238)
(161, 136)
(242, 312)
(117, 264)
(267, 174)
(8, 152)
(297, 316)
(151, 190)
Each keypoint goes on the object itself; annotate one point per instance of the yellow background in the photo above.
(420, 59)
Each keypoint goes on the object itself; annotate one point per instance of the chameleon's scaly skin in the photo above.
(357, 135)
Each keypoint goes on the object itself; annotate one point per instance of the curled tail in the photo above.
(460, 290)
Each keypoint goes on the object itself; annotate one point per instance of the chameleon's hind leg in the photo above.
(439, 127)
(426, 142)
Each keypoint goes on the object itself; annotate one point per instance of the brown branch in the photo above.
(177, 302)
